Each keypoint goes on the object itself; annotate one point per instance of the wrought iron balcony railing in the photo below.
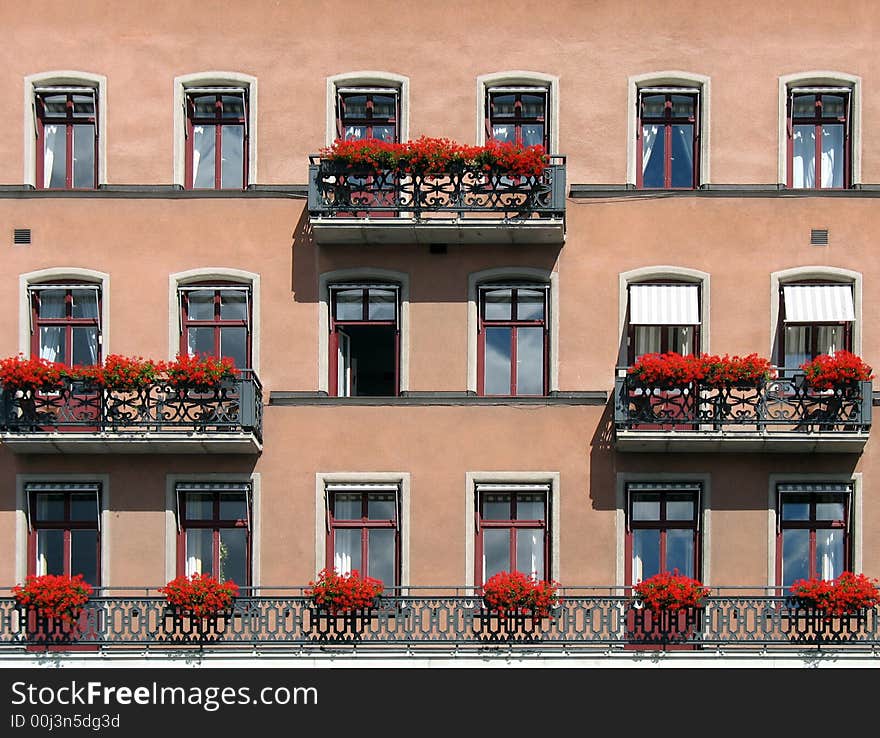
(235, 406)
(338, 190)
(585, 620)
(785, 404)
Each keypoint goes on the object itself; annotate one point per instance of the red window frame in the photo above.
(817, 120)
(68, 120)
(514, 324)
(665, 344)
(68, 322)
(65, 524)
(365, 524)
(214, 524)
(370, 121)
(512, 524)
(667, 121)
(217, 322)
(663, 524)
(814, 334)
(518, 119)
(219, 120)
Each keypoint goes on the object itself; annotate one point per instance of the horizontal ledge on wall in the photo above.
(157, 191)
(578, 191)
(410, 398)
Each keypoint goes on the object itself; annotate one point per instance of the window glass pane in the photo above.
(647, 339)
(803, 164)
(84, 155)
(530, 304)
(50, 552)
(532, 106)
(54, 156)
(84, 555)
(683, 155)
(384, 106)
(84, 303)
(380, 553)
(496, 507)
(384, 133)
(233, 305)
(529, 361)
(803, 106)
(681, 339)
(347, 506)
(503, 106)
(829, 553)
(497, 304)
(83, 506)
(504, 134)
(232, 157)
(233, 106)
(200, 305)
(497, 361)
(347, 550)
(55, 104)
(829, 338)
(233, 506)
(833, 106)
(205, 106)
(829, 509)
(354, 106)
(233, 343)
(52, 303)
(653, 155)
(496, 551)
(680, 551)
(680, 506)
(795, 555)
(653, 106)
(233, 555)
(349, 304)
(200, 341)
(354, 133)
(832, 155)
(646, 554)
(85, 345)
(797, 346)
(683, 106)
(529, 506)
(49, 505)
(83, 106)
(532, 134)
(204, 144)
(53, 346)
(199, 505)
(381, 506)
(381, 304)
(530, 551)
(645, 506)
(199, 545)
(795, 510)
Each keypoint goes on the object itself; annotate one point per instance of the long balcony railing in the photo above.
(234, 406)
(585, 619)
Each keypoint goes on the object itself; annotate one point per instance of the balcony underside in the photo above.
(131, 443)
(327, 231)
(677, 441)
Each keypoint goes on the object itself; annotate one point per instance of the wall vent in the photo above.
(819, 236)
(21, 235)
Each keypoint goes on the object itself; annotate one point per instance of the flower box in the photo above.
(841, 369)
(670, 591)
(848, 594)
(54, 612)
(342, 604)
(513, 594)
(673, 370)
(197, 606)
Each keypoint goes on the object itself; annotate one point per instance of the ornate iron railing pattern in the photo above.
(781, 404)
(336, 189)
(437, 623)
(234, 406)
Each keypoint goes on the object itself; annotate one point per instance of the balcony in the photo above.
(465, 205)
(772, 415)
(158, 418)
(602, 622)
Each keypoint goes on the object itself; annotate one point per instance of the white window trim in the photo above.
(476, 280)
(360, 275)
(648, 274)
(21, 519)
(800, 274)
(171, 482)
(181, 279)
(59, 275)
(212, 79)
(472, 478)
(668, 79)
(855, 514)
(63, 78)
(402, 479)
(822, 79)
(367, 79)
(704, 479)
(517, 77)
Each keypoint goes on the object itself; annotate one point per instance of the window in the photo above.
(518, 115)
(668, 138)
(513, 339)
(67, 140)
(663, 316)
(216, 321)
(214, 530)
(65, 323)
(364, 340)
(364, 529)
(819, 137)
(368, 112)
(663, 532)
(813, 532)
(217, 138)
(512, 529)
(817, 318)
(64, 529)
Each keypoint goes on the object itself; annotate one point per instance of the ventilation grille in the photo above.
(21, 235)
(819, 236)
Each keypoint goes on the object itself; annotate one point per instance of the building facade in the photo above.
(433, 382)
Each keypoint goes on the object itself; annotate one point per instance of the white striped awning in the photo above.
(664, 304)
(818, 303)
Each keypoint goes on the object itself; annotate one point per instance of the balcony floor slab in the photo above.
(131, 443)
